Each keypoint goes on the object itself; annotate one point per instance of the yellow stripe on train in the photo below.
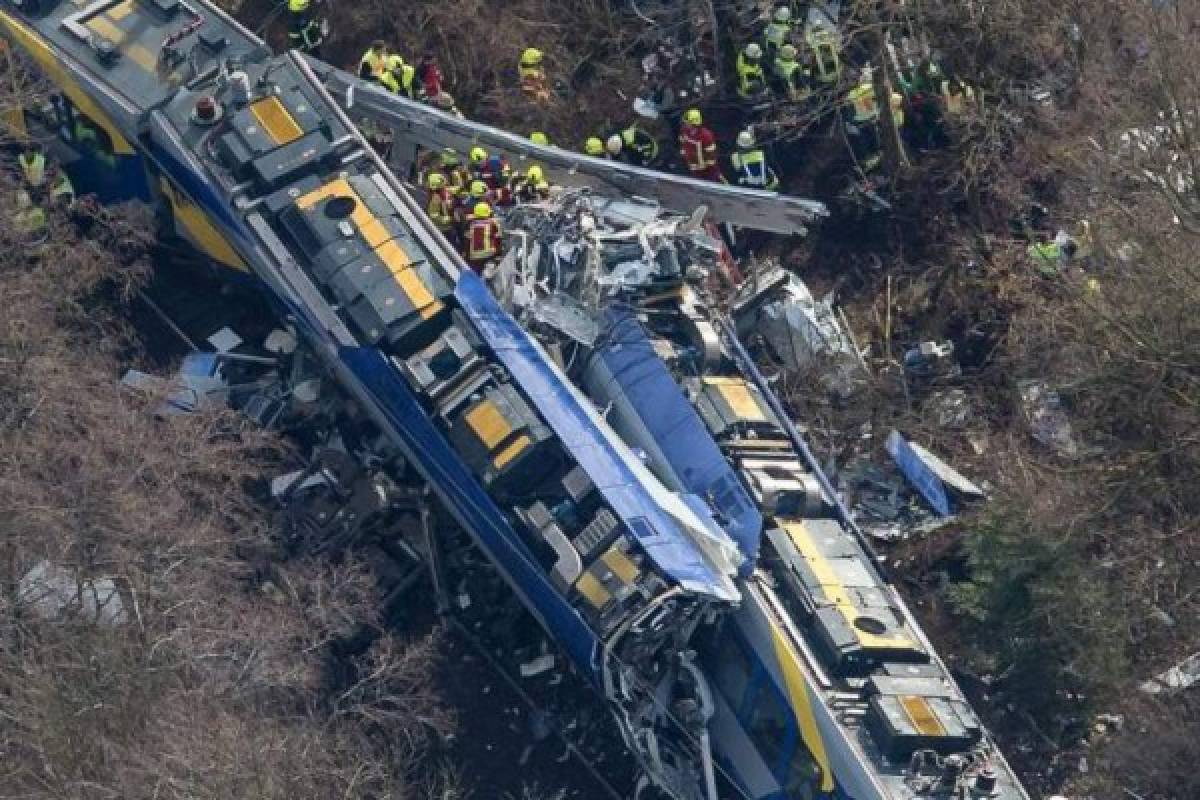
(200, 230)
(801, 703)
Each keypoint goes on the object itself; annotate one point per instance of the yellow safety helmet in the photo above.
(788, 52)
(482, 211)
(542, 186)
(537, 137)
(535, 174)
(531, 57)
(593, 146)
(450, 157)
(436, 180)
(478, 188)
(693, 117)
(478, 155)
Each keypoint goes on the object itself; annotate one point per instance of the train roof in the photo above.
(141, 50)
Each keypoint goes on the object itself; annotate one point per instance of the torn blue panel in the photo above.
(603, 457)
(918, 473)
(648, 409)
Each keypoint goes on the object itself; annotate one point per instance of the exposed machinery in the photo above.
(646, 499)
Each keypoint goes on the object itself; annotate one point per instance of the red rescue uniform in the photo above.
(698, 147)
(483, 243)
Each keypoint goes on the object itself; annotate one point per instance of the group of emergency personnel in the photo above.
(697, 148)
(422, 81)
(806, 58)
(462, 199)
(43, 185)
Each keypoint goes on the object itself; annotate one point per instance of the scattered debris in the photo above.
(799, 330)
(936, 480)
(1179, 677)
(52, 592)
(930, 360)
(952, 409)
(1048, 421)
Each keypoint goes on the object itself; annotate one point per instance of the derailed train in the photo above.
(716, 598)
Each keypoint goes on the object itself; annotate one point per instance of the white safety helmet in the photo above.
(614, 145)
(783, 15)
(753, 51)
(865, 75)
(745, 140)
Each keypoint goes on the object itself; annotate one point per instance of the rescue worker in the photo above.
(594, 147)
(955, 97)
(33, 167)
(441, 204)
(430, 76)
(457, 176)
(533, 75)
(62, 190)
(698, 147)
(778, 31)
(825, 46)
(399, 77)
(305, 31)
(750, 165)
(478, 157)
(484, 238)
(638, 146)
(89, 141)
(30, 219)
(373, 63)
(496, 172)
(751, 80)
(477, 193)
(794, 78)
(537, 137)
(925, 78)
(527, 186)
(1046, 255)
(863, 120)
(614, 148)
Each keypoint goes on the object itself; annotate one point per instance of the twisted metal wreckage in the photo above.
(596, 428)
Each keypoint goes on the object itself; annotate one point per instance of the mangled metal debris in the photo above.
(938, 483)
(800, 332)
(1182, 676)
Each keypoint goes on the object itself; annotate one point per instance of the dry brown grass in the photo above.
(220, 683)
